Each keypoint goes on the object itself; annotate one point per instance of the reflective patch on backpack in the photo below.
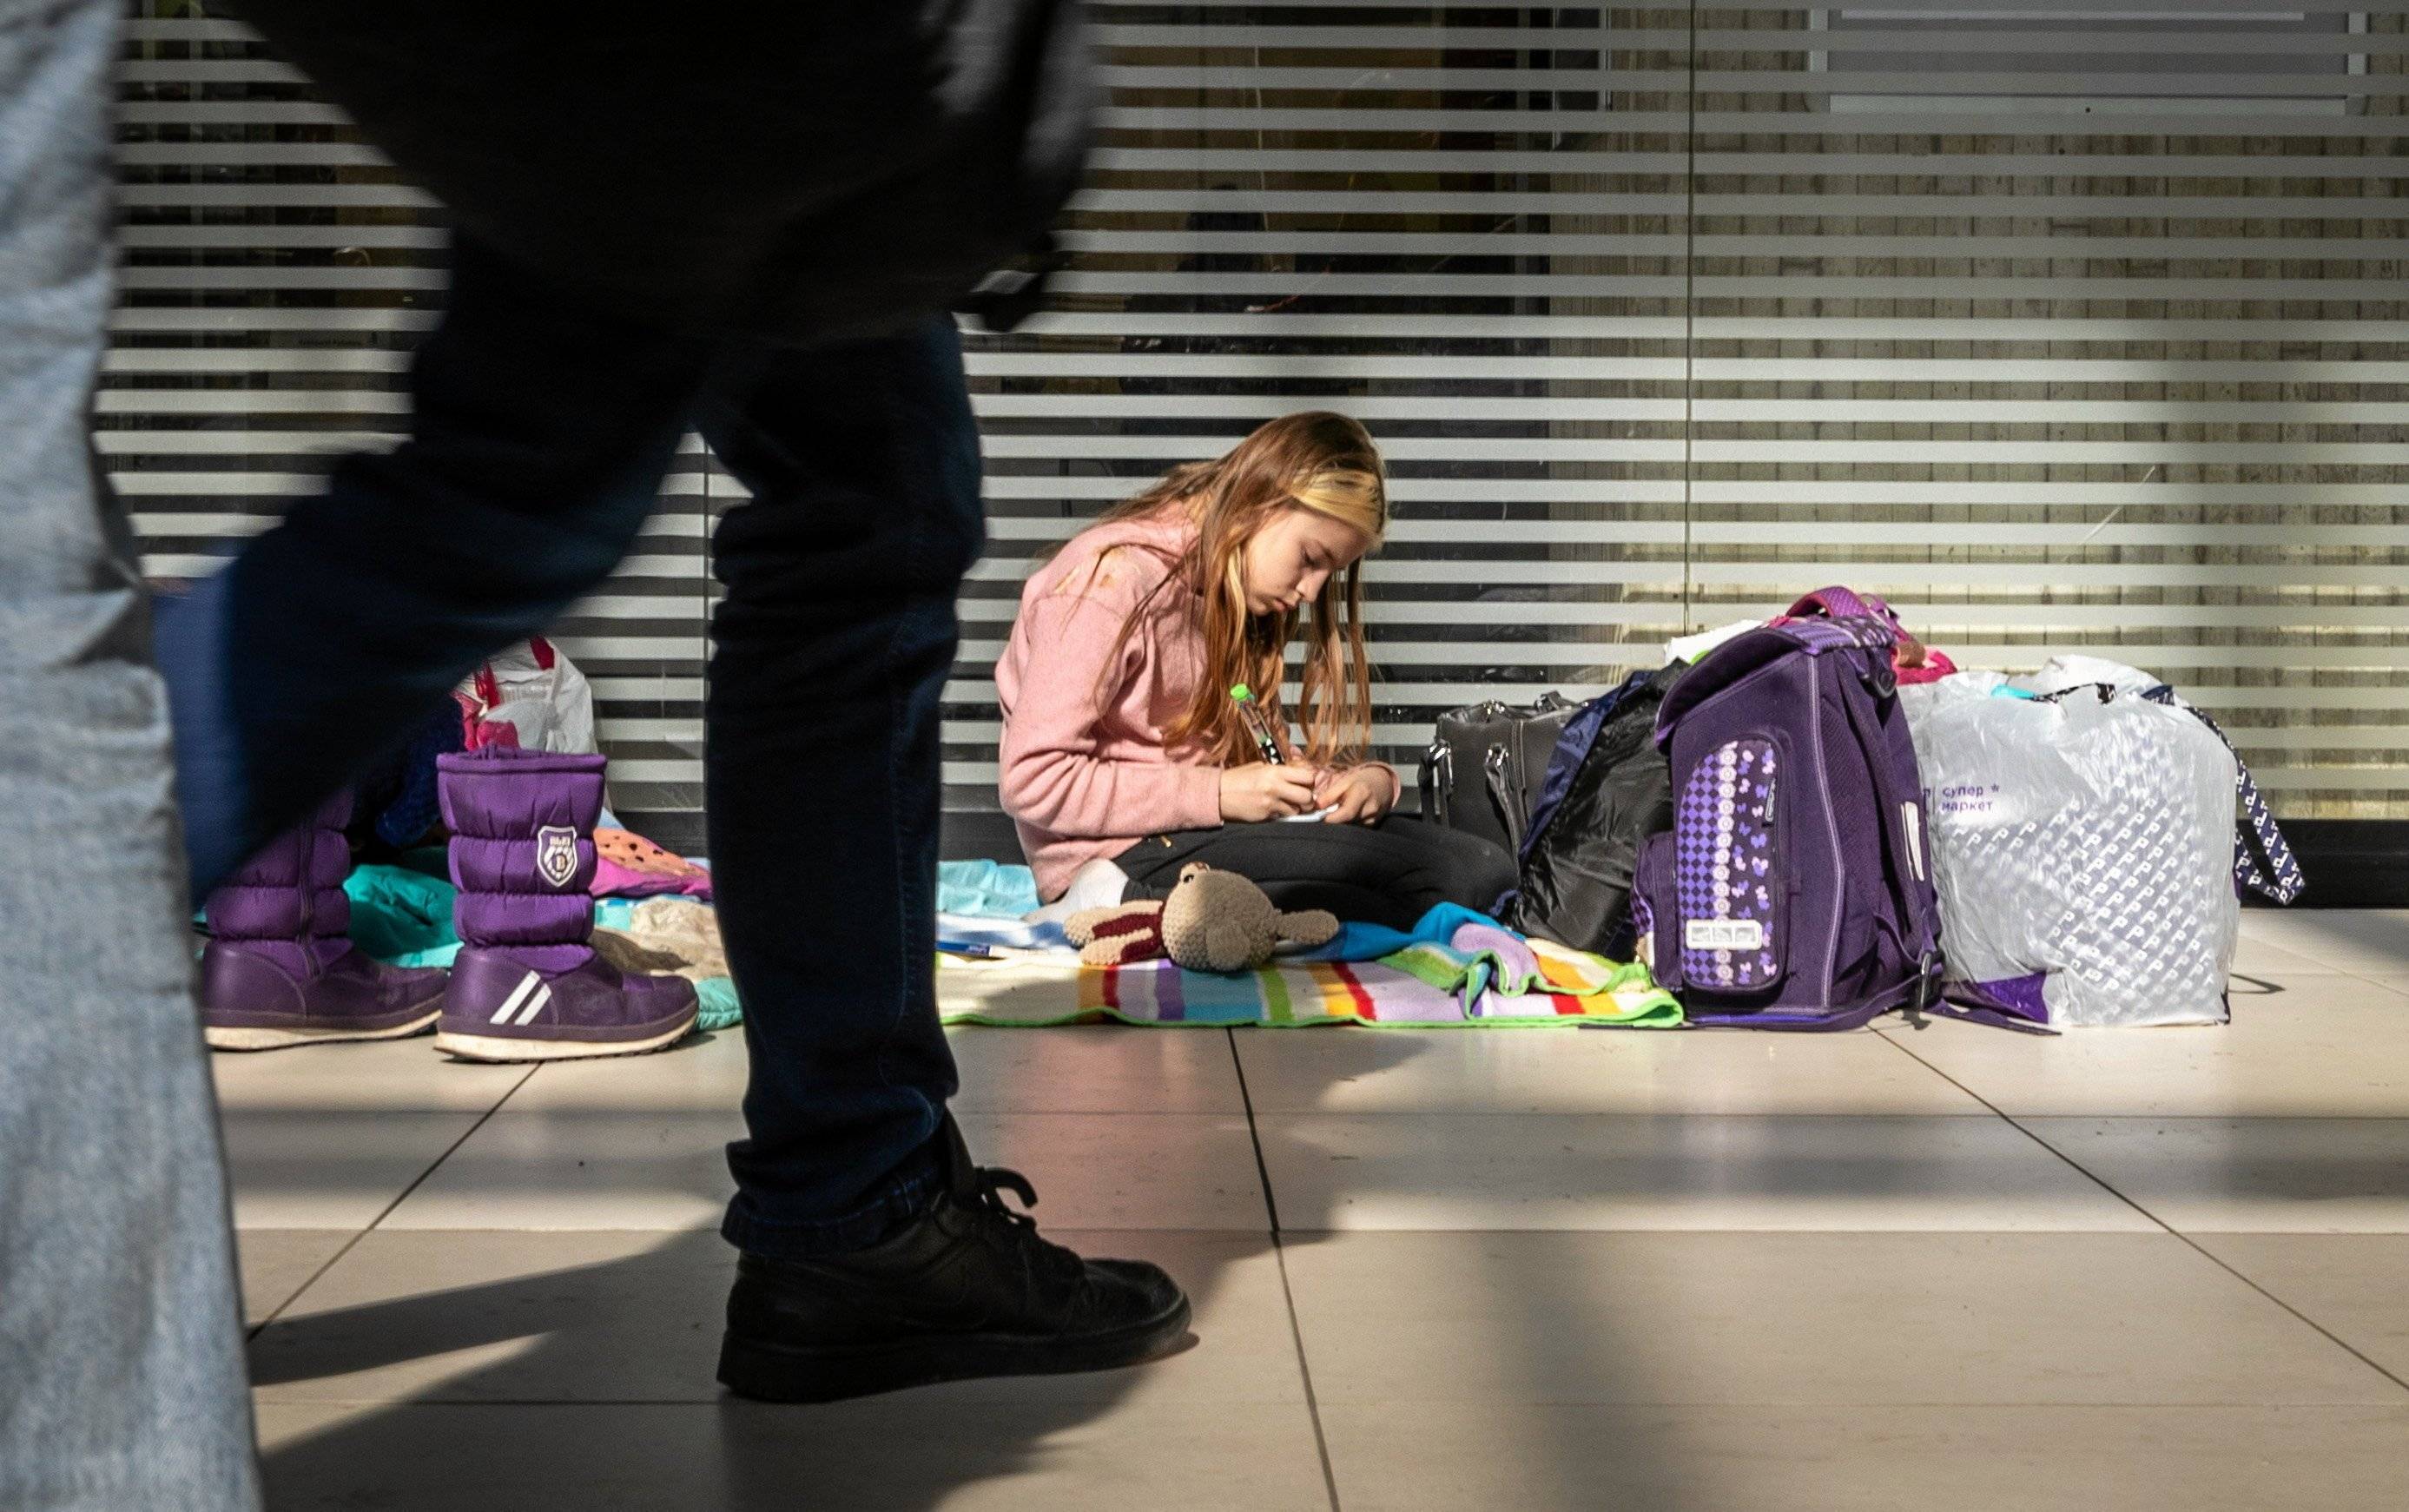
(1724, 934)
(555, 854)
(1729, 869)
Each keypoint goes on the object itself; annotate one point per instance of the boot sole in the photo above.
(766, 1372)
(285, 1039)
(498, 1049)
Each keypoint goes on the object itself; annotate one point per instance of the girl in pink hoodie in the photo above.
(1125, 756)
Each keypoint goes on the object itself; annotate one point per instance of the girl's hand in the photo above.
(1362, 796)
(1250, 795)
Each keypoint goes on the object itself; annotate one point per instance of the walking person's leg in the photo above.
(830, 652)
(876, 1254)
(540, 428)
(121, 1380)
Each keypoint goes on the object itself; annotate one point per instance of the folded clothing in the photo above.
(1484, 961)
(669, 934)
(1455, 969)
(402, 915)
(676, 935)
(986, 889)
(1377, 941)
(974, 934)
(1035, 991)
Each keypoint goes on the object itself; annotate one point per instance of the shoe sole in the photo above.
(496, 1048)
(285, 1039)
(767, 1372)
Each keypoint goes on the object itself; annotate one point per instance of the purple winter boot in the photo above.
(526, 986)
(279, 968)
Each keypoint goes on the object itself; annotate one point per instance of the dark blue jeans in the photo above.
(541, 431)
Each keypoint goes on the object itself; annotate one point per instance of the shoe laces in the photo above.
(990, 1184)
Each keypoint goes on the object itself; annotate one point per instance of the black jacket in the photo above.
(793, 170)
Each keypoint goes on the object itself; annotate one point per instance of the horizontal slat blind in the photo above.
(2121, 375)
(1468, 227)
(276, 273)
(2064, 327)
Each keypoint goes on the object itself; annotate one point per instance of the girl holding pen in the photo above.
(1127, 752)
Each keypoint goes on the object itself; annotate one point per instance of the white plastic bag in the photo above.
(529, 696)
(2082, 846)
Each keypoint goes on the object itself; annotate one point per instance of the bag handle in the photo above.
(1840, 603)
(2107, 692)
(1847, 603)
(1501, 792)
(1439, 770)
(2256, 823)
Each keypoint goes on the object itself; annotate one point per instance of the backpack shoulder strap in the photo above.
(1907, 837)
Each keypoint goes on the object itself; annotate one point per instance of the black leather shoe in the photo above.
(967, 1289)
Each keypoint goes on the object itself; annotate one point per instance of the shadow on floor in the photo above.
(639, 1331)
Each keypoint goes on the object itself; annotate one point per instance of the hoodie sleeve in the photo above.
(1052, 777)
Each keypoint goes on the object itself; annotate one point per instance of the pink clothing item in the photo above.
(1935, 666)
(1086, 772)
(627, 865)
(1085, 769)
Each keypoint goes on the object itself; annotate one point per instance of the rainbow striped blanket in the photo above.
(1484, 977)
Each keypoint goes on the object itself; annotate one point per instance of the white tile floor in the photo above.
(1946, 1267)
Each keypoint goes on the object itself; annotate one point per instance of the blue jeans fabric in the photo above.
(541, 435)
(122, 1381)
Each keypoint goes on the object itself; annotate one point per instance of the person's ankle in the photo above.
(1099, 884)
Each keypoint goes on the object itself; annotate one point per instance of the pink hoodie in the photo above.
(1085, 769)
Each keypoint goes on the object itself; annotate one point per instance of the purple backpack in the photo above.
(1795, 889)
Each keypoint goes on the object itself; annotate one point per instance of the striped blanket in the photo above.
(1484, 977)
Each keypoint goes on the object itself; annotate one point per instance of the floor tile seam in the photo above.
(1499, 1399)
(735, 1116)
(1304, 1237)
(439, 1231)
(2371, 978)
(716, 1404)
(373, 1224)
(2302, 1319)
(2320, 965)
(2155, 1231)
(2068, 1160)
(1287, 1291)
(1253, 1231)
(1614, 1113)
(2013, 1115)
(273, 1398)
(1275, 1112)
(1508, 1402)
(340, 1110)
(979, 1414)
(734, 1123)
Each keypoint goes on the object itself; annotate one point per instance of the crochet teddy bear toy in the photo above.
(1213, 921)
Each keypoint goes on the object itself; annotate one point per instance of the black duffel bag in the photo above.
(1485, 764)
(1608, 788)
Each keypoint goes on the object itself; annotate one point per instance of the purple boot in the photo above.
(279, 968)
(526, 986)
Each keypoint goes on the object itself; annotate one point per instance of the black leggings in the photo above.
(1391, 874)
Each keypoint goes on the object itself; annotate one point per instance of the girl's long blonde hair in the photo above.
(1316, 460)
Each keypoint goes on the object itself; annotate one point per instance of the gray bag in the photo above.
(1486, 762)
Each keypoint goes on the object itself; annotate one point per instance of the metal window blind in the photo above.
(2062, 327)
